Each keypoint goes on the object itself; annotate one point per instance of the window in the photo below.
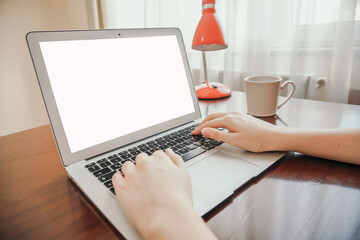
(324, 11)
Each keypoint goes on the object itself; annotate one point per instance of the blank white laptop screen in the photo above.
(107, 88)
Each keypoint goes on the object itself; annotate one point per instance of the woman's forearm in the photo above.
(335, 144)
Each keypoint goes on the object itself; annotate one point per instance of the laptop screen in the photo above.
(108, 88)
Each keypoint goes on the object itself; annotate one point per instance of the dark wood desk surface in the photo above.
(300, 197)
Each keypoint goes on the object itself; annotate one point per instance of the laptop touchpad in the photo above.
(218, 172)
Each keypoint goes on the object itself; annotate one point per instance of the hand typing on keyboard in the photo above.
(245, 131)
(155, 194)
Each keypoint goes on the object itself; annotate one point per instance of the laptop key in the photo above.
(112, 190)
(152, 150)
(123, 153)
(187, 142)
(175, 134)
(171, 143)
(125, 156)
(195, 138)
(112, 156)
(144, 149)
(90, 165)
(192, 154)
(115, 166)
(102, 160)
(115, 160)
(191, 147)
(179, 140)
(101, 172)
(108, 184)
(105, 164)
(152, 145)
(183, 151)
(207, 146)
(187, 137)
(167, 139)
(179, 146)
(206, 140)
(93, 168)
(163, 147)
(134, 152)
(106, 177)
(215, 142)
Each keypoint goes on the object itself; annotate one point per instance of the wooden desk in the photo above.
(300, 197)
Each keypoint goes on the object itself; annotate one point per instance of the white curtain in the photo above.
(302, 40)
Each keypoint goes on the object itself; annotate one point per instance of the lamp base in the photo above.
(214, 92)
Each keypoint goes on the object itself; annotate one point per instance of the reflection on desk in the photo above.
(291, 202)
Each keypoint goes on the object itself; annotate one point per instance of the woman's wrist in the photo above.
(165, 219)
(282, 138)
(180, 222)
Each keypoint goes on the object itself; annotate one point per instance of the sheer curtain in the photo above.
(315, 43)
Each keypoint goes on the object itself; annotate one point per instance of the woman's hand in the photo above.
(156, 196)
(245, 131)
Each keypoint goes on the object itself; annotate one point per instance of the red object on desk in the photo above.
(208, 37)
(215, 91)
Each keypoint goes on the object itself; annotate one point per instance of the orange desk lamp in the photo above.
(208, 37)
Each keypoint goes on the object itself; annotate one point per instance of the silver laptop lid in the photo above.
(104, 89)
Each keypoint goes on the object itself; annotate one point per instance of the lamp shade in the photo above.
(208, 35)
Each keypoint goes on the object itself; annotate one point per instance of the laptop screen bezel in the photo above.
(67, 157)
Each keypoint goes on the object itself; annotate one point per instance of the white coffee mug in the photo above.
(262, 93)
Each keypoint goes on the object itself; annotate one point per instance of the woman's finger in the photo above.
(217, 135)
(127, 168)
(207, 119)
(141, 157)
(118, 182)
(175, 158)
(221, 122)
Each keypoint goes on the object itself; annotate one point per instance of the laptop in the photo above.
(111, 94)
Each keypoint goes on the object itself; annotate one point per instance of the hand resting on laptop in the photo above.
(156, 193)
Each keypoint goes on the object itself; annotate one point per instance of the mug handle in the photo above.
(290, 94)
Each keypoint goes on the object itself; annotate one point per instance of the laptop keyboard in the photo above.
(181, 142)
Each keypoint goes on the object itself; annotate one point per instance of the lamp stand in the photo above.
(211, 90)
